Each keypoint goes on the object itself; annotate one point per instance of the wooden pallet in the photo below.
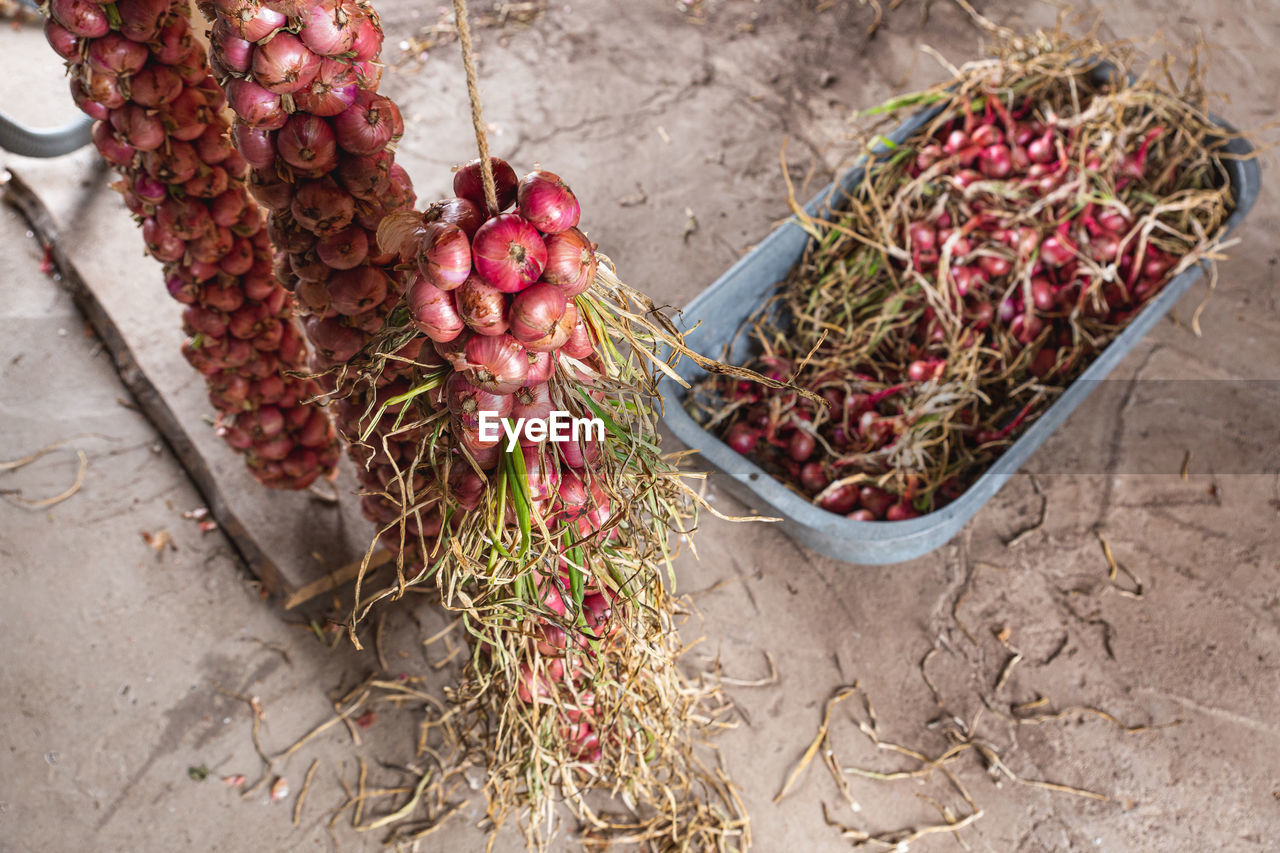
(299, 545)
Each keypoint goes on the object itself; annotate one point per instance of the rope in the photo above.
(473, 92)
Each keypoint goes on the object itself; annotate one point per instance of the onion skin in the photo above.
(482, 307)
(456, 211)
(509, 253)
(542, 366)
(468, 184)
(496, 364)
(571, 262)
(434, 311)
(466, 402)
(284, 65)
(308, 143)
(158, 108)
(547, 202)
(535, 311)
(445, 255)
(367, 125)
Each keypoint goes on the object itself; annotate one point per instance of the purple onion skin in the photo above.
(186, 183)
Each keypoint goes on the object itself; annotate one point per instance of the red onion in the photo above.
(367, 125)
(542, 366)
(482, 307)
(188, 116)
(83, 18)
(994, 265)
(163, 244)
(456, 211)
(214, 146)
(329, 27)
(176, 164)
(901, 511)
(986, 135)
(368, 40)
(140, 20)
(138, 127)
(322, 206)
(497, 364)
(559, 334)
(366, 177)
(255, 106)
(222, 297)
(333, 90)
(742, 438)
(187, 218)
(211, 245)
(509, 253)
(532, 401)
(813, 477)
(1056, 250)
(368, 74)
(254, 22)
(103, 89)
(284, 65)
(1114, 220)
(535, 311)
(1042, 293)
(547, 202)
(468, 184)
(928, 155)
(995, 161)
(485, 454)
(62, 40)
(1026, 327)
(307, 142)
(444, 255)
(541, 473)
(1042, 149)
(174, 42)
(270, 191)
(112, 149)
(840, 500)
(581, 453)
(239, 259)
(466, 401)
(345, 249)
(434, 311)
(357, 290)
(571, 262)
(580, 344)
(148, 189)
(801, 445)
(234, 52)
(257, 145)
(116, 55)
(333, 339)
(91, 106)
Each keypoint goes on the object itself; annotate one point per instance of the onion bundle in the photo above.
(135, 67)
(973, 274)
(302, 80)
(550, 549)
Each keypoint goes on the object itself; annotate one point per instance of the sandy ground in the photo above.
(124, 664)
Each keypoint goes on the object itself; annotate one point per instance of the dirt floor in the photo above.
(129, 668)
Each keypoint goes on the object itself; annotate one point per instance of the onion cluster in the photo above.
(302, 79)
(493, 293)
(135, 67)
(1011, 291)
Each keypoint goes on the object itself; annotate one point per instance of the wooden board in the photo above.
(298, 544)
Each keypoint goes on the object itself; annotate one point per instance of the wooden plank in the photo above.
(298, 544)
